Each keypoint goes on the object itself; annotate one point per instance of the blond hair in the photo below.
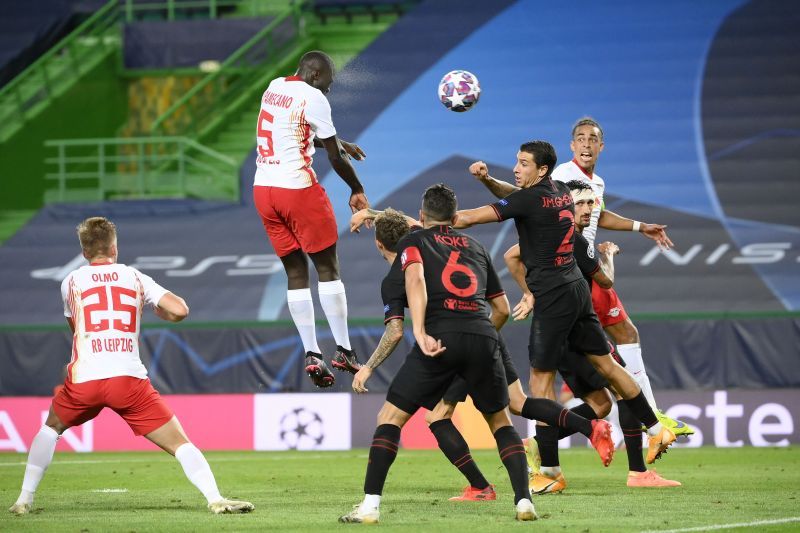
(97, 235)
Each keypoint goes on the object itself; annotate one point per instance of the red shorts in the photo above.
(608, 306)
(296, 219)
(134, 399)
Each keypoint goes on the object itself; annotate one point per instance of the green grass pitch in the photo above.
(307, 491)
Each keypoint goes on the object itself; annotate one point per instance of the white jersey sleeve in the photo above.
(318, 114)
(153, 292)
(65, 286)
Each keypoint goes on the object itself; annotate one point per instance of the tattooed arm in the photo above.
(392, 336)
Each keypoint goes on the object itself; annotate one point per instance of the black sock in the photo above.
(632, 431)
(512, 453)
(455, 448)
(555, 414)
(585, 410)
(547, 438)
(642, 410)
(381, 456)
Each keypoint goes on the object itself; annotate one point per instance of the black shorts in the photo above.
(457, 391)
(580, 375)
(561, 317)
(423, 380)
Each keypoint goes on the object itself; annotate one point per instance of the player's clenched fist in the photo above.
(479, 170)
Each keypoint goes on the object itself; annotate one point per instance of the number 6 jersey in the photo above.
(105, 303)
(459, 278)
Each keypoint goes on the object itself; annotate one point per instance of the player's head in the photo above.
(583, 198)
(586, 143)
(439, 205)
(98, 237)
(317, 69)
(535, 161)
(390, 227)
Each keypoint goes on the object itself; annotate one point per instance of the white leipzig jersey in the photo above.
(292, 114)
(572, 171)
(105, 303)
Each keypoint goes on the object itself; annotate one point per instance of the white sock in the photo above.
(334, 303)
(371, 501)
(654, 430)
(634, 364)
(616, 431)
(301, 307)
(198, 471)
(551, 471)
(39, 458)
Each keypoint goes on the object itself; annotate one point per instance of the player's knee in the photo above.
(600, 404)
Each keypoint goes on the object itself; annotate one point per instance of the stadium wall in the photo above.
(340, 421)
(687, 354)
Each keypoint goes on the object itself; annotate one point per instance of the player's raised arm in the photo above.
(499, 188)
(657, 232)
(392, 335)
(341, 164)
(604, 277)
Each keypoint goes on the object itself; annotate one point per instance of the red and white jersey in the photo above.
(105, 303)
(292, 114)
(572, 171)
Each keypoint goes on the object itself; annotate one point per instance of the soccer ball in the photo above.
(459, 91)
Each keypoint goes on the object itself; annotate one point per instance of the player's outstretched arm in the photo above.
(604, 277)
(500, 189)
(417, 296)
(350, 149)
(392, 335)
(501, 310)
(171, 308)
(361, 217)
(657, 232)
(341, 164)
(469, 217)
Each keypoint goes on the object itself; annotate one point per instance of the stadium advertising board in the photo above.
(340, 421)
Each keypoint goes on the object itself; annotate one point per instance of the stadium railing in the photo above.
(139, 168)
(29, 93)
(191, 116)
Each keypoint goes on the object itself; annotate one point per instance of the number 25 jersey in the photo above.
(105, 303)
(459, 277)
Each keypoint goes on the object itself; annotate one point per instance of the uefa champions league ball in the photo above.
(459, 91)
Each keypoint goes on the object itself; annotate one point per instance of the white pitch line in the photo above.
(713, 527)
(110, 490)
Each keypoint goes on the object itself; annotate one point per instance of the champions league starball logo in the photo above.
(302, 429)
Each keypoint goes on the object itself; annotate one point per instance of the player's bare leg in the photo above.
(382, 453)
(301, 308)
(456, 449)
(333, 299)
(172, 439)
(39, 458)
(661, 437)
(512, 454)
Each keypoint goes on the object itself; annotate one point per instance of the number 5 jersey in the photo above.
(105, 302)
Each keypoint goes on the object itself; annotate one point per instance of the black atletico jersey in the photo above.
(544, 216)
(393, 292)
(587, 265)
(459, 277)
